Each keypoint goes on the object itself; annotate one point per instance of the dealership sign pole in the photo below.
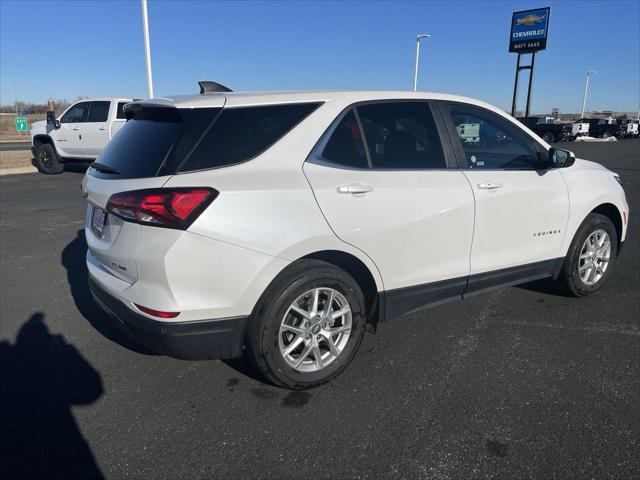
(529, 29)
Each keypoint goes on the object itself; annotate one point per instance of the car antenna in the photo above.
(212, 87)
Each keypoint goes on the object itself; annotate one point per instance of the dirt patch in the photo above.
(15, 159)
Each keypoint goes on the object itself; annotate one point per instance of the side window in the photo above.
(491, 142)
(240, 134)
(401, 135)
(120, 112)
(345, 146)
(99, 111)
(76, 114)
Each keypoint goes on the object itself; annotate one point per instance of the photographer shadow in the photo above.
(73, 260)
(42, 377)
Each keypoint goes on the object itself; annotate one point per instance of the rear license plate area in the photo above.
(98, 220)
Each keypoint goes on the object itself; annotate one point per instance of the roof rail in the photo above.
(212, 87)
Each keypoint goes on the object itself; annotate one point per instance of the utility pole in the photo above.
(415, 73)
(15, 97)
(586, 89)
(147, 48)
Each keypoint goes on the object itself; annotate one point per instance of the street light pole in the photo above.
(586, 89)
(415, 73)
(147, 48)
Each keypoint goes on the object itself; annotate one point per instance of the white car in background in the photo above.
(79, 134)
(279, 224)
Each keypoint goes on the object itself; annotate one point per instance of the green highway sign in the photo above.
(21, 124)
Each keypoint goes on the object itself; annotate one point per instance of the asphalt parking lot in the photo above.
(520, 383)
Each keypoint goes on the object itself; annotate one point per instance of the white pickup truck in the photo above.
(79, 134)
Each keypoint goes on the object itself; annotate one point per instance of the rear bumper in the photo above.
(187, 340)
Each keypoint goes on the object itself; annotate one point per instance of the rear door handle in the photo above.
(76, 128)
(489, 185)
(355, 188)
(102, 128)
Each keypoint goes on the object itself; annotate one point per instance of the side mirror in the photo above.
(560, 158)
(51, 118)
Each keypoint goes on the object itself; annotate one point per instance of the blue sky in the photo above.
(95, 48)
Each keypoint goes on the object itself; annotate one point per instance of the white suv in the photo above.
(282, 223)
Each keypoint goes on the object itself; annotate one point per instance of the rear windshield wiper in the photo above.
(104, 168)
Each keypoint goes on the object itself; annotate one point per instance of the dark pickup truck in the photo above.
(550, 132)
(599, 128)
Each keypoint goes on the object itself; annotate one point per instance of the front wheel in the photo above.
(590, 258)
(307, 326)
(549, 137)
(47, 160)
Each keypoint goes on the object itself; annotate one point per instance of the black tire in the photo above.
(263, 330)
(47, 160)
(549, 137)
(569, 281)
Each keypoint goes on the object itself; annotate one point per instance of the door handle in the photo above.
(102, 128)
(355, 188)
(489, 185)
(76, 128)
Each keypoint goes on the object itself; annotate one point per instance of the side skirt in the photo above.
(402, 301)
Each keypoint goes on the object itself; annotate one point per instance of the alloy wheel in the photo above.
(315, 329)
(594, 257)
(45, 159)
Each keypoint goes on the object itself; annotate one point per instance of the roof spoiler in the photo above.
(212, 87)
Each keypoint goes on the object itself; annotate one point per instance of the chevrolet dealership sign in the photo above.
(529, 30)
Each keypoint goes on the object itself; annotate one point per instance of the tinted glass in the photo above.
(99, 111)
(165, 141)
(491, 142)
(401, 135)
(142, 144)
(345, 146)
(239, 134)
(120, 112)
(76, 114)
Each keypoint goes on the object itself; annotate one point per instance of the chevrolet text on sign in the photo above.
(529, 30)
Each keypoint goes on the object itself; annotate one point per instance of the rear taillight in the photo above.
(162, 207)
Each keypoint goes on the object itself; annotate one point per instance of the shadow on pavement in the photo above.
(542, 286)
(73, 260)
(42, 377)
(78, 167)
(244, 366)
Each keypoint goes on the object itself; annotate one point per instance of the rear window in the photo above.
(142, 144)
(166, 141)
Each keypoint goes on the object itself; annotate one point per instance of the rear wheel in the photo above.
(47, 160)
(549, 137)
(308, 325)
(591, 256)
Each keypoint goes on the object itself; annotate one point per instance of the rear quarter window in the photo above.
(240, 134)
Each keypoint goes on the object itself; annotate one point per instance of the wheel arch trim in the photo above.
(41, 139)
(607, 207)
